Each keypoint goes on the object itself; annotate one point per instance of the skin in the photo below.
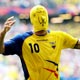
(41, 33)
(7, 26)
(77, 46)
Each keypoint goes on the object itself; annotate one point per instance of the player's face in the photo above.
(39, 18)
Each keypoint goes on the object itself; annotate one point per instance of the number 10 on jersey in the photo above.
(34, 47)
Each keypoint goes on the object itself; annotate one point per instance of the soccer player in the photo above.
(40, 49)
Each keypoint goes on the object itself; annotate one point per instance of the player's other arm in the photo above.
(7, 26)
(77, 46)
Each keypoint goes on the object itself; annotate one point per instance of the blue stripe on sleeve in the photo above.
(14, 45)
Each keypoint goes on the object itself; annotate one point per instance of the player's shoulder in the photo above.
(21, 37)
(27, 34)
(57, 32)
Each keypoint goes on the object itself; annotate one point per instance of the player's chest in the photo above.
(42, 44)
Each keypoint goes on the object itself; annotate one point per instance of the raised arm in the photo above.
(7, 26)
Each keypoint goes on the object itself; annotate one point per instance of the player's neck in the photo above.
(41, 33)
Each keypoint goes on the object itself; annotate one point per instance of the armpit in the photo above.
(77, 45)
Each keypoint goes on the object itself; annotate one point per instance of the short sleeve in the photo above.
(13, 46)
(68, 40)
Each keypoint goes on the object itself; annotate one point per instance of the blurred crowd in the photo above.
(70, 65)
(10, 66)
(55, 7)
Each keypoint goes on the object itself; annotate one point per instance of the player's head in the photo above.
(39, 18)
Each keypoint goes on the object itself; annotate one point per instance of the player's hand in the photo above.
(8, 24)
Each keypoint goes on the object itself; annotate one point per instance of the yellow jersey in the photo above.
(41, 54)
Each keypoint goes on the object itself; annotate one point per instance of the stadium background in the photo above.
(64, 15)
